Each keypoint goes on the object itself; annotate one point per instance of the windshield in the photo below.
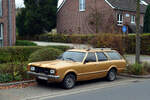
(73, 56)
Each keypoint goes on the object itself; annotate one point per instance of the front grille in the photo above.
(42, 70)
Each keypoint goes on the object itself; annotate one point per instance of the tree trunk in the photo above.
(138, 32)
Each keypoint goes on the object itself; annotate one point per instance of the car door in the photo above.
(89, 68)
(102, 64)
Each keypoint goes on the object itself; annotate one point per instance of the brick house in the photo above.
(73, 16)
(7, 23)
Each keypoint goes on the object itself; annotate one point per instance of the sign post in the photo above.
(124, 30)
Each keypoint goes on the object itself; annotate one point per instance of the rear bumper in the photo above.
(43, 75)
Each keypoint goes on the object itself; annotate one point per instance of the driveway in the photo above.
(41, 92)
(61, 44)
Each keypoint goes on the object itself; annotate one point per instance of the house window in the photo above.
(1, 8)
(81, 5)
(133, 19)
(142, 2)
(1, 35)
(120, 19)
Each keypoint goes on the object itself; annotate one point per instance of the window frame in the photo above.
(104, 55)
(82, 5)
(113, 52)
(1, 8)
(119, 21)
(132, 19)
(96, 60)
(1, 32)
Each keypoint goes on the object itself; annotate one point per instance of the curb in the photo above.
(136, 76)
(16, 83)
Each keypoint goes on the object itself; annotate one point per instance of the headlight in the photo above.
(52, 71)
(32, 68)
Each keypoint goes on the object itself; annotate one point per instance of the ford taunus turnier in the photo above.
(79, 65)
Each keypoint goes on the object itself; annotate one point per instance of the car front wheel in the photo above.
(111, 76)
(69, 81)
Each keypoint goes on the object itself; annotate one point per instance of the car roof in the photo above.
(92, 50)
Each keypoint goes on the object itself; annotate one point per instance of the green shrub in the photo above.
(14, 71)
(136, 69)
(6, 78)
(25, 43)
(10, 54)
(45, 54)
(22, 53)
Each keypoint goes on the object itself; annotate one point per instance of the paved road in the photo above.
(139, 90)
(40, 92)
(61, 44)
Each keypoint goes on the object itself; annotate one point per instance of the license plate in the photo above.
(43, 78)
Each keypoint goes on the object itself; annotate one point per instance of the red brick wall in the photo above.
(4, 21)
(127, 20)
(71, 20)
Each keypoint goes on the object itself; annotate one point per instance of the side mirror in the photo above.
(86, 61)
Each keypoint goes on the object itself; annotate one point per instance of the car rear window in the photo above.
(101, 56)
(114, 55)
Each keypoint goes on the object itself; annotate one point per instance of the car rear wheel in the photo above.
(111, 76)
(69, 81)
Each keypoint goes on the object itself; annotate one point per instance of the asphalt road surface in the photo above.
(47, 91)
(137, 90)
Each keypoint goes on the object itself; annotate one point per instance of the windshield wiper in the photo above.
(70, 59)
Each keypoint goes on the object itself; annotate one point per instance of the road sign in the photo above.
(124, 29)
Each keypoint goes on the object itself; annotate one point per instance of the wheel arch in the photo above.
(70, 72)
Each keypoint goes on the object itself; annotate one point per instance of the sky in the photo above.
(19, 3)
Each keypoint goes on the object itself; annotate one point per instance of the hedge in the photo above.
(14, 60)
(145, 43)
(102, 40)
(45, 54)
(25, 43)
(22, 53)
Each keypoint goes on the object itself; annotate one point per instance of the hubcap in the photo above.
(69, 82)
(112, 75)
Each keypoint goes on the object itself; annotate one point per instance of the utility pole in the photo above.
(10, 22)
(137, 32)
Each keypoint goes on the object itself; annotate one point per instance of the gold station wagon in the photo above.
(79, 65)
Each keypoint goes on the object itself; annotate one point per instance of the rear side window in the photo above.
(90, 57)
(114, 55)
(101, 56)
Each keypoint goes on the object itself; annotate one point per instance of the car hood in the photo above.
(55, 64)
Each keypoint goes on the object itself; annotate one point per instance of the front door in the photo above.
(89, 68)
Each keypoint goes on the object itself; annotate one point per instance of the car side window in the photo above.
(101, 56)
(90, 57)
(114, 55)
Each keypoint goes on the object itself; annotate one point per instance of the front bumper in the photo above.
(43, 75)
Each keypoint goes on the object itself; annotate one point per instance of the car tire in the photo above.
(69, 81)
(111, 76)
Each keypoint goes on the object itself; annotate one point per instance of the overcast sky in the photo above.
(19, 3)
